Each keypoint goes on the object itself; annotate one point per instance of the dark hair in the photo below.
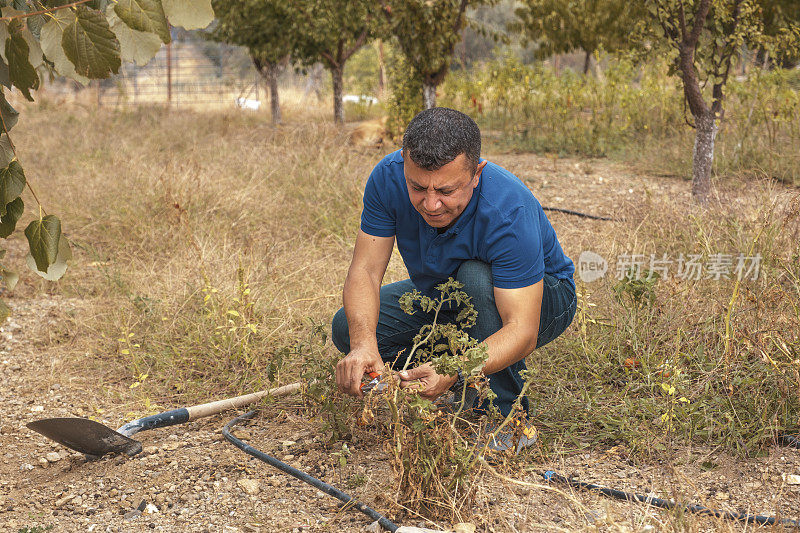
(438, 135)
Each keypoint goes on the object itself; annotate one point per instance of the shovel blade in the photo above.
(86, 436)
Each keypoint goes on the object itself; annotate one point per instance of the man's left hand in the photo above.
(426, 381)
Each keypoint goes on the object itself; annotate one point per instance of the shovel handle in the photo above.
(184, 414)
(212, 408)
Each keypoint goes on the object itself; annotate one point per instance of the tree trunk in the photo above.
(338, 107)
(429, 95)
(703, 156)
(587, 62)
(269, 71)
(274, 100)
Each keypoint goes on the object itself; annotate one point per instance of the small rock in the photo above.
(288, 457)
(132, 515)
(37, 408)
(26, 466)
(374, 527)
(249, 486)
(53, 457)
(43, 461)
(464, 527)
(722, 496)
(791, 479)
(150, 450)
(64, 500)
(150, 508)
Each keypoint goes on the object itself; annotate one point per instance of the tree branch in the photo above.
(43, 11)
(699, 21)
(362, 38)
(461, 10)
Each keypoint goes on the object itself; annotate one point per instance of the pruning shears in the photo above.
(375, 384)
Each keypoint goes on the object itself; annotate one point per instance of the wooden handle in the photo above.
(212, 408)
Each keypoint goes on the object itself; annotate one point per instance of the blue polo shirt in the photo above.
(503, 225)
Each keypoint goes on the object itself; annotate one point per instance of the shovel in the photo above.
(93, 438)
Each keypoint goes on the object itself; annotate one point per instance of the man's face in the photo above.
(440, 196)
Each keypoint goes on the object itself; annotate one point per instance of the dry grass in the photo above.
(179, 219)
(164, 205)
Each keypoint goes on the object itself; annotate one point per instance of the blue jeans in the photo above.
(396, 329)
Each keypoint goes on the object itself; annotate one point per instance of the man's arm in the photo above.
(520, 310)
(361, 305)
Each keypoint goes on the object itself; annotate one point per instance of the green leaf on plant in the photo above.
(134, 45)
(43, 235)
(57, 268)
(12, 182)
(51, 37)
(5, 311)
(20, 71)
(9, 114)
(189, 14)
(6, 151)
(144, 15)
(8, 221)
(5, 77)
(10, 278)
(91, 45)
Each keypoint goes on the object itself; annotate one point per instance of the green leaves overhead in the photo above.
(144, 15)
(12, 182)
(91, 45)
(8, 114)
(20, 70)
(51, 36)
(190, 14)
(6, 151)
(58, 267)
(137, 46)
(8, 221)
(43, 236)
(82, 41)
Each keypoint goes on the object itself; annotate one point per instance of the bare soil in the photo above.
(190, 479)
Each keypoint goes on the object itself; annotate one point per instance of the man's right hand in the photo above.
(351, 369)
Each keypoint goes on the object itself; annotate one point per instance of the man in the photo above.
(452, 214)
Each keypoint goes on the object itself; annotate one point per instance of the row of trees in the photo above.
(701, 37)
(331, 31)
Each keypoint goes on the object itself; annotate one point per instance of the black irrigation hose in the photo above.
(787, 439)
(302, 476)
(667, 504)
(793, 441)
(576, 213)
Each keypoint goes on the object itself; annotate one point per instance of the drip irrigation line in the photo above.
(668, 504)
(790, 440)
(576, 213)
(793, 441)
(348, 500)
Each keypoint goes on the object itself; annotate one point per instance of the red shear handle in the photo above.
(368, 386)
